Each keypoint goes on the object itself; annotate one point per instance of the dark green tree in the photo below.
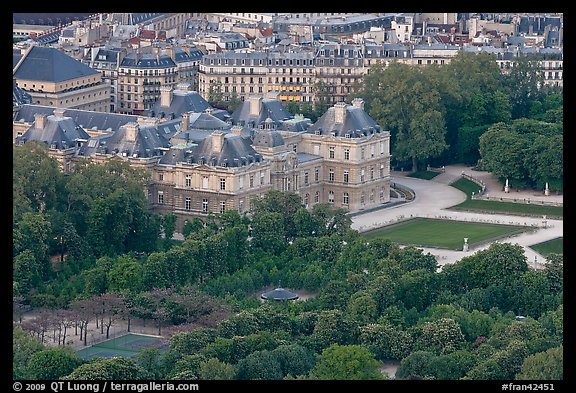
(346, 362)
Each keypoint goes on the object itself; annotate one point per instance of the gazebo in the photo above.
(279, 294)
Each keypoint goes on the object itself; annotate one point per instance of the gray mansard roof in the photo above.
(19, 96)
(147, 60)
(356, 122)
(86, 119)
(59, 132)
(207, 122)
(269, 108)
(149, 142)
(182, 101)
(267, 138)
(236, 151)
(51, 65)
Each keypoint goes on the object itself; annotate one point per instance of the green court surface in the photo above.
(128, 345)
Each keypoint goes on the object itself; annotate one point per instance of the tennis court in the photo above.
(128, 345)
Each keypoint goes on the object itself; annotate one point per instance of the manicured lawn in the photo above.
(554, 246)
(426, 232)
(426, 175)
(501, 207)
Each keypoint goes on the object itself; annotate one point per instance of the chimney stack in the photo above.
(217, 141)
(358, 102)
(339, 112)
(255, 105)
(131, 131)
(40, 120)
(185, 122)
(165, 96)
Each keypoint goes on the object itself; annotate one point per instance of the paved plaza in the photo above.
(434, 196)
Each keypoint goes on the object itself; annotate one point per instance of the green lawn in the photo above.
(513, 208)
(554, 246)
(426, 232)
(426, 175)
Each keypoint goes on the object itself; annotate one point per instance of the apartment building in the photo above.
(53, 78)
(140, 78)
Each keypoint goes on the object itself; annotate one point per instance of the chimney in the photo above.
(185, 122)
(40, 120)
(358, 102)
(339, 112)
(59, 112)
(165, 96)
(217, 141)
(236, 130)
(254, 105)
(131, 131)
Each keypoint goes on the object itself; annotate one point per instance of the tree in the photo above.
(417, 365)
(125, 275)
(169, 226)
(523, 84)
(346, 362)
(409, 106)
(26, 273)
(440, 337)
(23, 348)
(53, 363)
(503, 153)
(503, 364)
(214, 369)
(36, 179)
(284, 203)
(149, 360)
(268, 232)
(119, 368)
(261, 365)
(294, 359)
(417, 289)
(547, 365)
(452, 366)
(386, 341)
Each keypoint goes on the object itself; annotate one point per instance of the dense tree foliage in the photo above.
(373, 301)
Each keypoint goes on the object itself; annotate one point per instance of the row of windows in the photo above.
(346, 151)
(222, 182)
(188, 203)
(346, 200)
(155, 72)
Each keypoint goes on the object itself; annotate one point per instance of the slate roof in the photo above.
(51, 65)
(84, 118)
(207, 122)
(182, 101)
(236, 151)
(19, 96)
(269, 108)
(149, 142)
(356, 123)
(60, 132)
(147, 60)
(268, 138)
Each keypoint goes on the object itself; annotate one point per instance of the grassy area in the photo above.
(520, 209)
(554, 246)
(426, 175)
(425, 232)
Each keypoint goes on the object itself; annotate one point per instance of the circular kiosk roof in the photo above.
(279, 294)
